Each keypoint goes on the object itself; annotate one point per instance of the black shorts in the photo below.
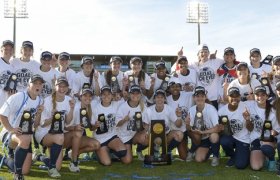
(205, 143)
(255, 145)
(108, 141)
(129, 142)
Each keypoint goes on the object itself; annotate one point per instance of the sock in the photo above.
(140, 147)
(10, 152)
(20, 155)
(268, 151)
(55, 151)
(9, 162)
(193, 148)
(172, 145)
(66, 151)
(36, 144)
(44, 149)
(215, 149)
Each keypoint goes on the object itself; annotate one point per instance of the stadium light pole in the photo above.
(15, 9)
(197, 13)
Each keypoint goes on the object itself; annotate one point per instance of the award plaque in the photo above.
(115, 84)
(254, 76)
(84, 119)
(264, 81)
(56, 126)
(26, 123)
(164, 84)
(198, 122)
(131, 80)
(138, 121)
(11, 83)
(157, 145)
(86, 86)
(266, 132)
(225, 121)
(103, 126)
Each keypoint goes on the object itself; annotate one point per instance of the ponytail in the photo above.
(276, 105)
(108, 75)
(91, 78)
(54, 100)
(267, 109)
(141, 76)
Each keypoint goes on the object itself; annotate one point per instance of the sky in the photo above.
(145, 27)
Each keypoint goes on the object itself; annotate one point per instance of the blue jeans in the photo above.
(237, 150)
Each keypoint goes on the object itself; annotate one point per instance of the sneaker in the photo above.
(70, 154)
(230, 162)
(215, 161)
(190, 157)
(18, 177)
(271, 166)
(54, 173)
(140, 156)
(66, 157)
(73, 168)
(35, 155)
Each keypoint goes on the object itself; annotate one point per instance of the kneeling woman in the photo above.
(105, 126)
(50, 133)
(203, 128)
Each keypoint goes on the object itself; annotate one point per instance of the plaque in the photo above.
(198, 122)
(86, 86)
(138, 121)
(264, 81)
(26, 123)
(11, 83)
(266, 132)
(254, 76)
(84, 119)
(164, 84)
(103, 126)
(225, 121)
(56, 125)
(131, 80)
(157, 145)
(115, 84)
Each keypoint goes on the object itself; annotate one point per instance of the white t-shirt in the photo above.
(256, 73)
(246, 88)
(63, 107)
(80, 79)
(167, 114)
(185, 102)
(69, 74)
(237, 122)
(16, 104)
(191, 78)
(48, 77)
(119, 78)
(5, 72)
(110, 118)
(127, 130)
(210, 117)
(208, 78)
(257, 116)
(24, 71)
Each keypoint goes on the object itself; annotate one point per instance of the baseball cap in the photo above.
(233, 91)
(134, 88)
(173, 80)
(277, 85)
(60, 80)
(85, 91)
(260, 89)
(27, 44)
(241, 64)
(160, 64)
(36, 77)
(229, 50)
(181, 58)
(7, 42)
(159, 91)
(199, 90)
(106, 88)
(46, 55)
(276, 59)
(203, 47)
(255, 50)
(86, 59)
(116, 58)
(64, 55)
(134, 59)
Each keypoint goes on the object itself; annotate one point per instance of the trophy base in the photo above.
(164, 159)
(55, 132)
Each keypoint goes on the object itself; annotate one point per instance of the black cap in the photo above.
(229, 50)
(255, 50)
(27, 44)
(260, 89)
(116, 58)
(159, 91)
(134, 59)
(60, 80)
(241, 64)
(86, 59)
(85, 91)
(106, 88)
(199, 90)
(46, 55)
(233, 91)
(277, 85)
(160, 64)
(181, 58)
(7, 42)
(64, 55)
(276, 59)
(134, 88)
(36, 77)
(173, 80)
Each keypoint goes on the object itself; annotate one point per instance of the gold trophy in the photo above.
(103, 126)
(138, 121)
(56, 125)
(26, 123)
(84, 119)
(86, 86)
(225, 121)
(264, 81)
(11, 83)
(266, 132)
(115, 84)
(199, 122)
(131, 80)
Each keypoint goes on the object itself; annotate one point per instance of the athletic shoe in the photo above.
(230, 162)
(271, 166)
(140, 156)
(70, 154)
(35, 155)
(215, 161)
(190, 157)
(18, 177)
(73, 168)
(54, 173)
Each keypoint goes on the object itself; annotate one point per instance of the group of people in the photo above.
(214, 102)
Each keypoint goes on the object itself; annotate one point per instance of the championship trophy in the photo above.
(264, 81)
(103, 126)
(26, 123)
(266, 132)
(254, 76)
(138, 121)
(84, 119)
(86, 86)
(115, 84)
(199, 122)
(225, 121)
(157, 145)
(11, 83)
(131, 80)
(164, 83)
(56, 125)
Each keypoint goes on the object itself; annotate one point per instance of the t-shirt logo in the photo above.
(236, 125)
(206, 76)
(23, 77)
(47, 89)
(4, 76)
(258, 123)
